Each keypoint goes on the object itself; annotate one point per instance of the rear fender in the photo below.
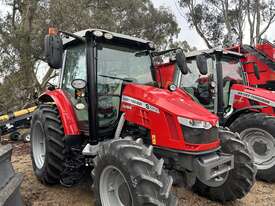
(65, 108)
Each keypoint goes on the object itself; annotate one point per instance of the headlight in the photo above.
(194, 123)
(98, 33)
(108, 36)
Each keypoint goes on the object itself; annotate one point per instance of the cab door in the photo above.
(75, 68)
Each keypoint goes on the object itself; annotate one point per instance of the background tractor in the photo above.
(263, 56)
(109, 114)
(221, 86)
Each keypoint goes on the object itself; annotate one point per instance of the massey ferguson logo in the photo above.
(250, 96)
(139, 103)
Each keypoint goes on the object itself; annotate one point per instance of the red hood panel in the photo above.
(177, 102)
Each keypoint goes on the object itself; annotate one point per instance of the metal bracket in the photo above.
(213, 165)
(91, 150)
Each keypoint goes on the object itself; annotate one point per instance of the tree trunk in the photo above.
(27, 61)
(258, 20)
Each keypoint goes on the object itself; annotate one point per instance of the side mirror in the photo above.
(201, 61)
(256, 71)
(181, 61)
(255, 68)
(53, 50)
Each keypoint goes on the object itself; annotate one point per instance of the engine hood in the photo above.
(177, 102)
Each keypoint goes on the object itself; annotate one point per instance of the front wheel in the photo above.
(238, 181)
(128, 173)
(258, 132)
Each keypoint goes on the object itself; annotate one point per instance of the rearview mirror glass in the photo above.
(201, 61)
(53, 50)
(181, 61)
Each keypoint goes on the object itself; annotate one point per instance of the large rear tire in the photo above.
(127, 173)
(257, 130)
(239, 180)
(47, 144)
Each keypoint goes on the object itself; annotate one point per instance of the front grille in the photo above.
(199, 136)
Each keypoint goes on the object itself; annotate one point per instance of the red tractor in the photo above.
(110, 116)
(220, 84)
(263, 56)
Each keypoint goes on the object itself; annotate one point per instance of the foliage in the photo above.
(222, 22)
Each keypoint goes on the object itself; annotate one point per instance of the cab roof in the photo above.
(83, 33)
(212, 51)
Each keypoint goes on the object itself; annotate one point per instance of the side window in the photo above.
(75, 65)
(232, 70)
(75, 68)
(232, 74)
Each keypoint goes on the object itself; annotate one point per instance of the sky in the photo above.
(190, 34)
(186, 33)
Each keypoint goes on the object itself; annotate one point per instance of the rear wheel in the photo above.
(238, 181)
(128, 173)
(258, 132)
(47, 144)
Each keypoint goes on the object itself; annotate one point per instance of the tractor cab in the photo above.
(99, 62)
(212, 88)
(224, 88)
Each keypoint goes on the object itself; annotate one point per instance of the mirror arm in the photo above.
(73, 36)
(154, 54)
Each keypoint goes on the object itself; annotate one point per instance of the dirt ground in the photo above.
(36, 194)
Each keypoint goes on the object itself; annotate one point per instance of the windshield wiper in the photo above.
(122, 79)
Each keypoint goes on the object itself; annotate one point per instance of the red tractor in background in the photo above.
(263, 56)
(110, 116)
(223, 88)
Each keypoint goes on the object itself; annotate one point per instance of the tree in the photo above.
(23, 29)
(222, 22)
(206, 20)
(183, 45)
(261, 14)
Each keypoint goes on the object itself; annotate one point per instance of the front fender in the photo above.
(65, 108)
(238, 112)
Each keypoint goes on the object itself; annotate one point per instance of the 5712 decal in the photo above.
(136, 102)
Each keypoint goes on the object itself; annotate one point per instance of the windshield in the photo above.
(192, 79)
(121, 62)
(232, 69)
(199, 86)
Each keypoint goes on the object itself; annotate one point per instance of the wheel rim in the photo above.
(261, 144)
(114, 189)
(38, 145)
